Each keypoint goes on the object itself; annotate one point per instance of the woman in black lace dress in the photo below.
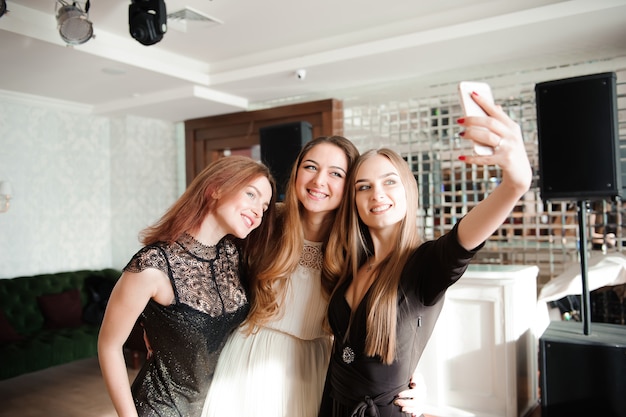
(385, 306)
(185, 284)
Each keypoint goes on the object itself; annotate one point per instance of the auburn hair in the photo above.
(223, 177)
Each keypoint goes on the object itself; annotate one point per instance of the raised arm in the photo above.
(505, 136)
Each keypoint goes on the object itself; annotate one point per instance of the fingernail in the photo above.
(462, 158)
(462, 133)
(412, 385)
(461, 120)
(474, 93)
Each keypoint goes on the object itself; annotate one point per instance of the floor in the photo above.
(71, 390)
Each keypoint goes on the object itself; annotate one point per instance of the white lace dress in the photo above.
(280, 370)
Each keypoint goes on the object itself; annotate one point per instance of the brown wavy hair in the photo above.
(271, 273)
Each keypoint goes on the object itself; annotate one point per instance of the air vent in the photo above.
(186, 18)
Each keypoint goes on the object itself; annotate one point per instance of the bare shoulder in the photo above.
(150, 282)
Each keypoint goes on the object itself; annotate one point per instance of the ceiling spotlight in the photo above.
(73, 23)
(147, 20)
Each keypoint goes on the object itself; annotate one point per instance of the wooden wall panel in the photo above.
(206, 137)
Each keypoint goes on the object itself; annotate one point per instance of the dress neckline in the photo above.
(311, 243)
(197, 248)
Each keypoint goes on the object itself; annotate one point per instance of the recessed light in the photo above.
(113, 71)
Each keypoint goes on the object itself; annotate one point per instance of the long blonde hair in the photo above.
(281, 258)
(382, 304)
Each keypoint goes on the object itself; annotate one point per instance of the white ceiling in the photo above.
(347, 47)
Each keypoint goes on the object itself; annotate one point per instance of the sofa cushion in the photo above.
(61, 310)
(48, 348)
(7, 332)
(18, 296)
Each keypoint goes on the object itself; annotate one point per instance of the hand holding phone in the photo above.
(471, 108)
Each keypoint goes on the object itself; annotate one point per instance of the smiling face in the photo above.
(241, 212)
(380, 196)
(321, 178)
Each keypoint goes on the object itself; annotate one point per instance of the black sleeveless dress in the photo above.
(187, 336)
(359, 385)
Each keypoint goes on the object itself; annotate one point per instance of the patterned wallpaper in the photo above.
(84, 185)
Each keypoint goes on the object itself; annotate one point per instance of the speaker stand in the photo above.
(583, 253)
(582, 373)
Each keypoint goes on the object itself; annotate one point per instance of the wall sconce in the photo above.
(5, 196)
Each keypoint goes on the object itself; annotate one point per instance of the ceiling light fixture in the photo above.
(147, 20)
(73, 23)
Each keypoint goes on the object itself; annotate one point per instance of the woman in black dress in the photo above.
(391, 287)
(185, 284)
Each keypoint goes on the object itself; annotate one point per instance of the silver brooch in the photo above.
(348, 355)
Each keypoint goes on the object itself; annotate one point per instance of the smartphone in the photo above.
(470, 108)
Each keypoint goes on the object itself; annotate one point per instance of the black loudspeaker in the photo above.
(579, 155)
(280, 146)
(582, 375)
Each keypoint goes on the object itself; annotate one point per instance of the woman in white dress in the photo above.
(275, 364)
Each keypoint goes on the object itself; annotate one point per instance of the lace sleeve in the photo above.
(148, 257)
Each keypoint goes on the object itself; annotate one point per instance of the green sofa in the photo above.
(51, 319)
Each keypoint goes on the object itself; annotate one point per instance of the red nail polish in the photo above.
(462, 158)
(474, 93)
(461, 120)
(462, 133)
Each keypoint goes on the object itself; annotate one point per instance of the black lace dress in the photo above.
(187, 336)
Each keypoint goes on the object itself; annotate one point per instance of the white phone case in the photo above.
(470, 108)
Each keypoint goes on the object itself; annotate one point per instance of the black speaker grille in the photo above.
(579, 155)
(280, 146)
(583, 375)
